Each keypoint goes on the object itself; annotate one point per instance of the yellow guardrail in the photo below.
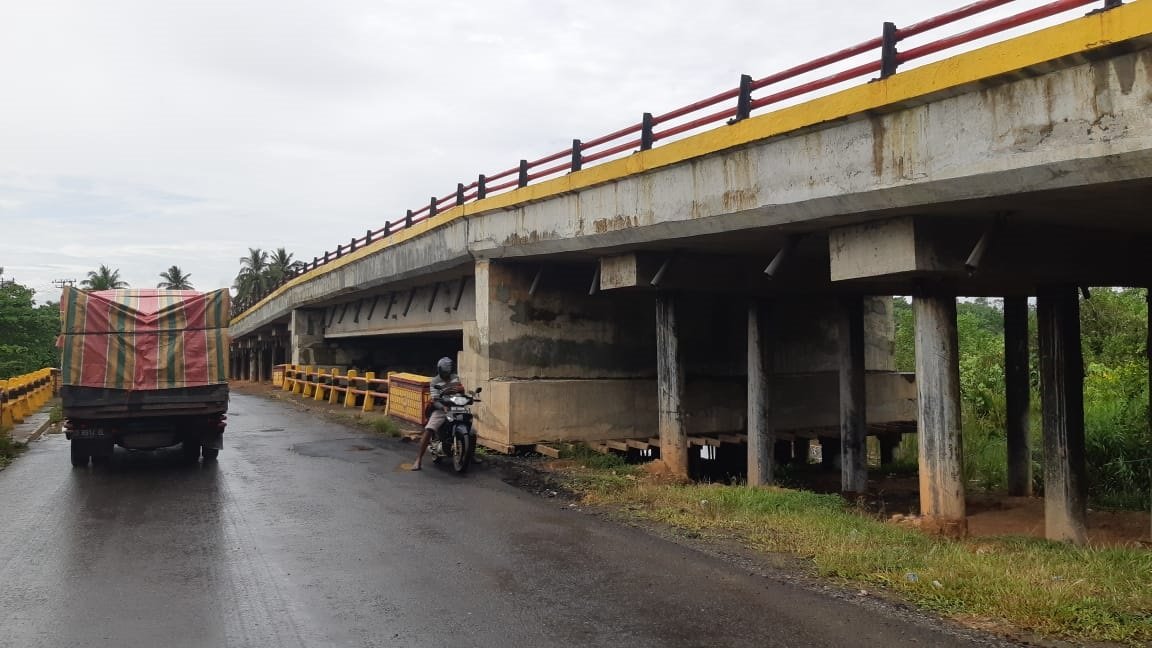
(350, 389)
(23, 395)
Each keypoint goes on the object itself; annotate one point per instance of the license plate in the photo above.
(87, 434)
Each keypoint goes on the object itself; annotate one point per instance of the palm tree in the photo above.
(280, 265)
(174, 279)
(103, 278)
(253, 279)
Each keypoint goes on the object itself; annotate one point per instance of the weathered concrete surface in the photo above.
(938, 400)
(308, 534)
(439, 306)
(1081, 129)
(528, 411)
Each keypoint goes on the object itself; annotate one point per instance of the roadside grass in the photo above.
(385, 426)
(1057, 590)
(56, 414)
(8, 448)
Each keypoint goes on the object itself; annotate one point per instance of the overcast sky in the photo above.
(145, 133)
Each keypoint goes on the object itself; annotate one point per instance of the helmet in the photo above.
(444, 366)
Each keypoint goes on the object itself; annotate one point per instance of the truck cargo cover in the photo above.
(144, 339)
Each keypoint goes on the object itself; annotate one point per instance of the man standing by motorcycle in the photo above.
(444, 383)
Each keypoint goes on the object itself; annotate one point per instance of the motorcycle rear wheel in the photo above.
(463, 447)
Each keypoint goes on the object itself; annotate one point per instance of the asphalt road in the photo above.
(308, 533)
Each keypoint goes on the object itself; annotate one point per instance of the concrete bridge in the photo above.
(737, 279)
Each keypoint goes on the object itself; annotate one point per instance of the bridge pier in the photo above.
(761, 432)
(670, 386)
(853, 407)
(1062, 403)
(1017, 396)
(938, 389)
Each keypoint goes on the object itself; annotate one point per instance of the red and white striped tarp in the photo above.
(144, 339)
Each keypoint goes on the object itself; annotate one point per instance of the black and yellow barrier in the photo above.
(23, 395)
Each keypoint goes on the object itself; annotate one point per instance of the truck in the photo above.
(143, 370)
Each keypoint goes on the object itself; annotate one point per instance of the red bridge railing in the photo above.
(727, 107)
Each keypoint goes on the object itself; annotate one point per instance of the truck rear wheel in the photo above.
(191, 450)
(210, 454)
(79, 454)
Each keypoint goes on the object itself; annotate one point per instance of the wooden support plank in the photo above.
(704, 441)
(853, 408)
(654, 442)
(617, 445)
(1062, 405)
(502, 448)
(938, 402)
(637, 444)
(1017, 395)
(670, 386)
(735, 439)
(547, 451)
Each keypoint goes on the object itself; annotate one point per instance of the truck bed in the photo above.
(105, 403)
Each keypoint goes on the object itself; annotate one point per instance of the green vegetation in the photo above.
(261, 271)
(1034, 585)
(27, 330)
(174, 279)
(103, 278)
(385, 426)
(1119, 445)
(8, 448)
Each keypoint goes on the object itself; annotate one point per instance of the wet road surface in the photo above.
(308, 533)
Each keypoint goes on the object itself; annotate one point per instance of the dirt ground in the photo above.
(989, 514)
(896, 496)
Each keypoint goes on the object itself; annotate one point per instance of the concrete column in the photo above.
(1017, 395)
(1062, 402)
(938, 402)
(253, 366)
(853, 425)
(670, 387)
(761, 435)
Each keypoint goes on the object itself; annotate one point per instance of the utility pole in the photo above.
(60, 283)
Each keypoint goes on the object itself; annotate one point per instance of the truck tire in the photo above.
(210, 454)
(191, 450)
(79, 454)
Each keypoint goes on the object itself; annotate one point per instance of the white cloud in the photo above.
(142, 134)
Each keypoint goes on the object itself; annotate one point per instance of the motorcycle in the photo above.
(456, 438)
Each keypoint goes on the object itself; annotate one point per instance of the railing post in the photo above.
(481, 187)
(369, 402)
(349, 394)
(577, 155)
(387, 228)
(352, 245)
(325, 256)
(744, 101)
(459, 193)
(432, 207)
(888, 53)
(367, 237)
(646, 138)
(522, 181)
(408, 219)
